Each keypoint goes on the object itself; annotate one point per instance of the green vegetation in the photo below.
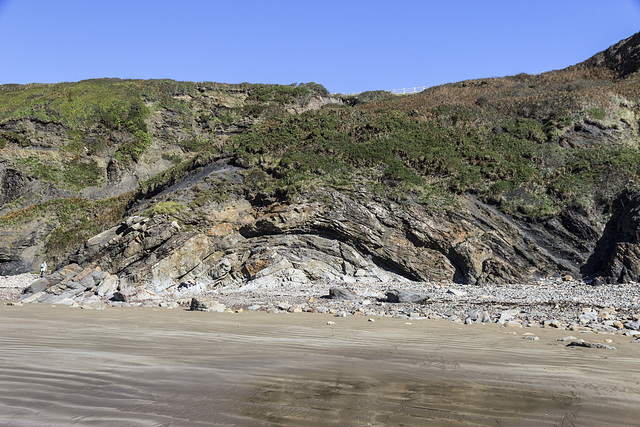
(8, 137)
(597, 113)
(76, 173)
(81, 174)
(169, 208)
(513, 162)
(499, 139)
(76, 220)
(173, 158)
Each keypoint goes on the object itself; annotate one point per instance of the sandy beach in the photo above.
(62, 366)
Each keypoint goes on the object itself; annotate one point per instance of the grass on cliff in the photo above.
(514, 162)
(75, 221)
(74, 173)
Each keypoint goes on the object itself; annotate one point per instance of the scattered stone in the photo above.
(588, 317)
(206, 305)
(254, 307)
(590, 345)
(457, 292)
(283, 306)
(569, 338)
(372, 320)
(617, 324)
(532, 338)
(507, 315)
(512, 324)
(552, 324)
(635, 325)
(331, 323)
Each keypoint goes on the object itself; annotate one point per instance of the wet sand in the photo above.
(62, 366)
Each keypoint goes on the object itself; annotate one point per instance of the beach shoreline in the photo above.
(152, 366)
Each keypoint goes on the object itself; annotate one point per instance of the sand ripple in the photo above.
(62, 366)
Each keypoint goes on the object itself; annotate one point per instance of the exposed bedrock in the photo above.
(331, 237)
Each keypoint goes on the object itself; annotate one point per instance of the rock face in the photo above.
(623, 58)
(329, 237)
(617, 254)
(222, 217)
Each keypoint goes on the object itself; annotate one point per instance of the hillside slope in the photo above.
(153, 183)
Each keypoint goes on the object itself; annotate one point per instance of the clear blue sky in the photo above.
(346, 45)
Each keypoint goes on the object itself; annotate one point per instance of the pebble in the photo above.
(554, 302)
(569, 338)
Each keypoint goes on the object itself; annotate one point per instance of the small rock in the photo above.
(331, 323)
(457, 292)
(531, 338)
(585, 318)
(507, 315)
(254, 307)
(590, 345)
(283, 306)
(569, 338)
(552, 324)
(617, 324)
(635, 325)
(15, 304)
(512, 324)
(372, 320)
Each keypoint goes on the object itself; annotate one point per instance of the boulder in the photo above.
(108, 286)
(37, 286)
(198, 304)
(404, 296)
(342, 294)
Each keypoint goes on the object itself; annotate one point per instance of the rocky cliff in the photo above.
(130, 186)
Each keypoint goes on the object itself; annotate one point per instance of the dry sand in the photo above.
(62, 366)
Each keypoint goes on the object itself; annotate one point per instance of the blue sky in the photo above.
(346, 45)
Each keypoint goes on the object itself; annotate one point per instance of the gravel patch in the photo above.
(555, 302)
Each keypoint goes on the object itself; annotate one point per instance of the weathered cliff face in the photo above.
(325, 236)
(44, 160)
(616, 257)
(259, 185)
